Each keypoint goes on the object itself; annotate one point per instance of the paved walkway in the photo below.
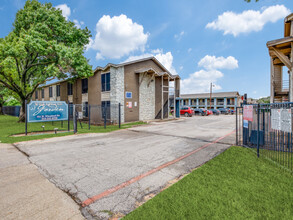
(111, 174)
(26, 194)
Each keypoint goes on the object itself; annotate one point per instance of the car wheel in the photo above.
(186, 114)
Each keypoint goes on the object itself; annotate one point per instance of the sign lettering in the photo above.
(47, 111)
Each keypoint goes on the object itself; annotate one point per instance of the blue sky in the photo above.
(223, 42)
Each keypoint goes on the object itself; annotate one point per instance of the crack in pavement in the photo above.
(182, 137)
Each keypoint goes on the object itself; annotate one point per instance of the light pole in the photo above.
(211, 90)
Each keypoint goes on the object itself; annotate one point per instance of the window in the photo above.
(105, 80)
(50, 91)
(58, 90)
(69, 88)
(36, 94)
(220, 101)
(43, 93)
(84, 85)
(106, 109)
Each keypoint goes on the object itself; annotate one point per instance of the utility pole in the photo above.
(211, 91)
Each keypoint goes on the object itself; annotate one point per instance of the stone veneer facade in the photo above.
(147, 93)
(117, 91)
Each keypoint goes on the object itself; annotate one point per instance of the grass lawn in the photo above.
(9, 126)
(283, 158)
(234, 185)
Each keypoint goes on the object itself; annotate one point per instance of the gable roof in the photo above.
(138, 61)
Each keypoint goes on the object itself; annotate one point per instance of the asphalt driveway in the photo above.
(111, 174)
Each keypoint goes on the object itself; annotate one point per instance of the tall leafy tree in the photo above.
(3, 92)
(42, 46)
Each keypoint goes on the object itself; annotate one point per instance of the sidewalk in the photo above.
(26, 194)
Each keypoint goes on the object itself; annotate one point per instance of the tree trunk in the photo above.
(21, 117)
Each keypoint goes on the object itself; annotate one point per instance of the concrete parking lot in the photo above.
(111, 174)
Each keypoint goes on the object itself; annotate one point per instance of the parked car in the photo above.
(208, 112)
(186, 111)
(223, 111)
(231, 111)
(215, 111)
(199, 111)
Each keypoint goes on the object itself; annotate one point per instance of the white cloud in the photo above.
(167, 60)
(164, 58)
(193, 84)
(199, 82)
(212, 62)
(65, 10)
(77, 23)
(248, 21)
(99, 56)
(157, 51)
(179, 36)
(180, 67)
(189, 50)
(118, 36)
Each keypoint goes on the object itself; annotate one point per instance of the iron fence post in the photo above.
(25, 115)
(74, 120)
(105, 115)
(119, 114)
(89, 106)
(257, 130)
(237, 126)
(68, 116)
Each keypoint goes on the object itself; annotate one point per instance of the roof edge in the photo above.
(288, 18)
(138, 61)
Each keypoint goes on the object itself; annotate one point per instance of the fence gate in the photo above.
(267, 128)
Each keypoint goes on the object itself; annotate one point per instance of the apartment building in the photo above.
(218, 100)
(141, 86)
(281, 54)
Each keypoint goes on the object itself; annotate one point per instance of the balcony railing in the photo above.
(282, 86)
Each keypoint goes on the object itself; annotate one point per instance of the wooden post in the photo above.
(272, 97)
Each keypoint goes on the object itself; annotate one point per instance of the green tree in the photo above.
(3, 92)
(42, 46)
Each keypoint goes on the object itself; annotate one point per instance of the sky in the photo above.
(220, 42)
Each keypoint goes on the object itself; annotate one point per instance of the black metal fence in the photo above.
(101, 115)
(11, 110)
(267, 128)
